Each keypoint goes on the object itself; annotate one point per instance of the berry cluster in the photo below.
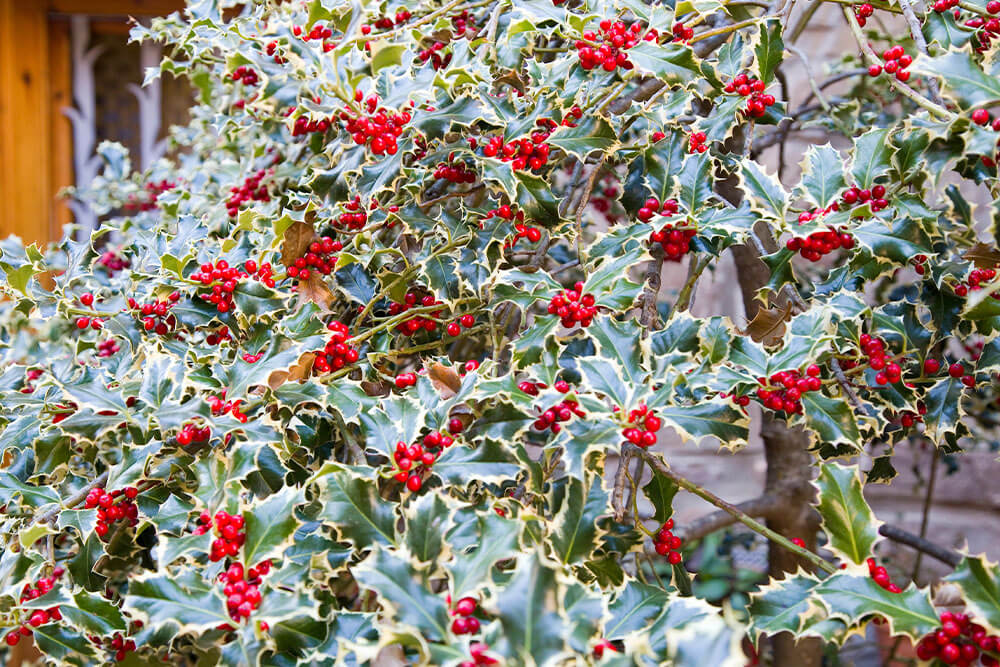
(907, 418)
(888, 371)
(319, 32)
(605, 197)
(862, 13)
(574, 306)
(652, 207)
(379, 129)
(220, 406)
(478, 652)
(465, 623)
(413, 461)
(107, 348)
(113, 507)
(229, 533)
(404, 380)
(941, 6)
(415, 323)
(113, 261)
(455, 328)
(667, 544)
(530, 153)
(433, 53)
(242, 588)
(456, 172)
(386, 23)
(531, 388)
(153, 190)
(250, 190)
(753, 89)
(561, 412)
(681, 32)
(248, 75)
(87, 300)
(875, 196)
(320, 258)
(737, 399)
(987, 28)
(218, 336)
(615, 38)
(784, 390)
(894, 61)
(957, 371)
(646, 424)
(223, 280)
(463, 24)
(818, 244)
(696, 142)
(155, 314)
(959, 641)
(354, 216)
(881, 576)
(119, 644)
(191, 433)
(505, 212)
(38, 617)
(919, 264)
(272, 50)
(975, 280)
(305, 125)
(337, 353)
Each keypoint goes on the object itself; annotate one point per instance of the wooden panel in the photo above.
(117, 7)
(61, 96)
(25, 147)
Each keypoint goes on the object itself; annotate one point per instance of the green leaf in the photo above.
(496, 539)
(696, 181)
(592, 134)
(848, 521)
(770, 49)
(872, 152)
(899, 241)
(822, 175)
(830, 420)
(673, 63)
(385, 55)
(428, 519)
(961, 78)
(782, 606)
(574, 534)
(408, 595)
(979, 581)
(661, 491)
(270, 525)
(352, 504)
(63, 644)
(766, 193)
(708, 418)
(528, 612)
(943, 401)
(633, 608)
(187, 600)
(852, 597)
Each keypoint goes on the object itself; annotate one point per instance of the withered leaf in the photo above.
(445, 379)
(983, 255)
(316, 290)
(768, 325)
(300, 370)
(296, 242)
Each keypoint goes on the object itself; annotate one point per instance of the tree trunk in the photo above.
(789, 472)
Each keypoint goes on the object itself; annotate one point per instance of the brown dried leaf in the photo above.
(296, 242)
(445, 379)
(983, 255)
(316, 290)
(768, 325)
(300, 370)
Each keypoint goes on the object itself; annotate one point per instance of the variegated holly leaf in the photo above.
(496, 538)
(849, 523)
(853, 597)
(534, 630)
(783, 605)
(574, 534)
(351, 503)
(979, 581)
(270, 525)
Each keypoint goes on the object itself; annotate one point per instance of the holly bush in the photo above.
(376, 364)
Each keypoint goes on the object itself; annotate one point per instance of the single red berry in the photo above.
(956, 370)
(979, 117)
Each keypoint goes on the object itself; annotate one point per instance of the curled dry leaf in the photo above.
(983, 255)
(295, 242)
(445, 379)
(300, 370)
(768, 325)
(316, 290)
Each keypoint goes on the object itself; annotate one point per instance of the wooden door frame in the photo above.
(35, 85)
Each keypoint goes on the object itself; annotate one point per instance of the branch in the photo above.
(852, 396)
(897, 534)
(918, 39)
(761, 507)
(75, 499)
(660, 467)
(652, 280)
(618, 494)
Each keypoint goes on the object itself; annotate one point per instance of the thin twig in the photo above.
(660, 467)
(897, 534)
(651, 293)
(925, 511)
(852, 396)
(618, 493)
(762, 508)
(75, 499)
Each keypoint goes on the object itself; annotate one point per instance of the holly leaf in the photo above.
(187, 600)
(848, 521)
(528, 613)
(961, 77)
(770, 49)
(852, 597)
(830, 420)
(661, 491)
(766, 194)
(351, 503)
(574, 533)
(872, 152)
(979, 581)
(270, 525)
(496, 539)
(782, 606)
(592, 134)
(822, 175)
